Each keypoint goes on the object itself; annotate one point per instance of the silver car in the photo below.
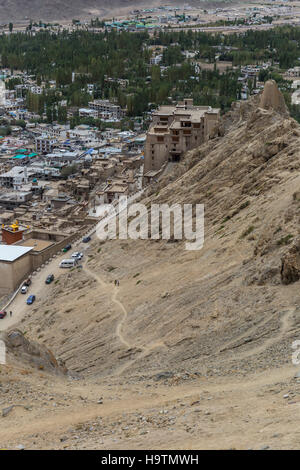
(77, 255)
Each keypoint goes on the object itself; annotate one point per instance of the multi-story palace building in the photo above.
(175, 130)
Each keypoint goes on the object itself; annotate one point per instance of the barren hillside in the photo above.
(184, 306)
(193, 350)
(58, 10)
(19, 10)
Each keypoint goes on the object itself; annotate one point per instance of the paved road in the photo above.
(37, 287)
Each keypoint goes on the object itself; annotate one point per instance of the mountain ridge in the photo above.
(57, 10)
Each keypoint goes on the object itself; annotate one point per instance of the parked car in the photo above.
(49, 279)
(67, 248)
(30, 299)
(77, 255)
(27, 282)
(86, 239)
(68, 263)
(24, 289)
(3, 314)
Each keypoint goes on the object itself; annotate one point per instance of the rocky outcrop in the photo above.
(272, 98)
(290, 268)
(31, 352)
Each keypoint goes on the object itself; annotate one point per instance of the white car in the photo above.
(77, 255)
(24, 290)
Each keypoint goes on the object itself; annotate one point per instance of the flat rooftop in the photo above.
(164, 111)
(17, 171)
(38, 245)
(11, 253)
(117, 187)
(14, 195)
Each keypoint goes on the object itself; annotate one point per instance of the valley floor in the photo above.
(250, 412)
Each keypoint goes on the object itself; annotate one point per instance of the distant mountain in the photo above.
(19, 10)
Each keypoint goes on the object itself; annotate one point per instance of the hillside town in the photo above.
(54, 179)
(77, 133)
(72, 142)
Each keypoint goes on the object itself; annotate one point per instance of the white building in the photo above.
(156, 59)
(106, 109)
(16, 177)
(36, 90)
(2, 93)
(45, 144)
(86, 112)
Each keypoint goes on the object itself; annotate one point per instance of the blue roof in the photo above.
(22, 156)
(19, 157)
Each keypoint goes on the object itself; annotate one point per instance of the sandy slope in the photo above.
(193, 350)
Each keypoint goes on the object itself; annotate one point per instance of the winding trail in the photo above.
(144, 350)
(114, 300)
(123, 320)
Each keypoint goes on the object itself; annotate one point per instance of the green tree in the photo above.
(68, 171)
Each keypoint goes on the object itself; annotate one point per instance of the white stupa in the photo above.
(2, 93)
